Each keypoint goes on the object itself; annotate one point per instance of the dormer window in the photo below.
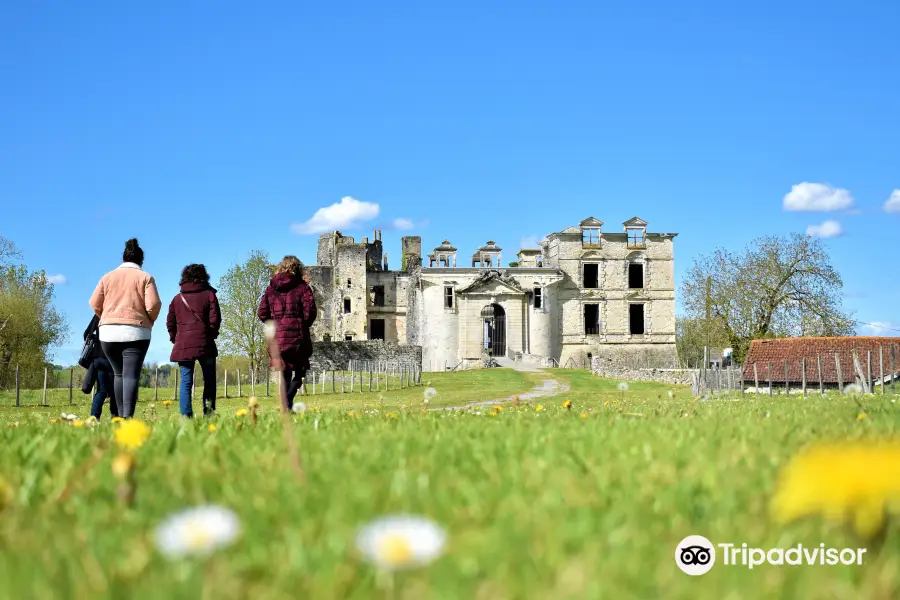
(590, 236)
(636, 237)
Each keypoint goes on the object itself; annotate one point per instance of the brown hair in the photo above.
(290, 264)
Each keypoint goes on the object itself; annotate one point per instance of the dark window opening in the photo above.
(635, 275)
(346, 305)
(348, 282)
(326, 337)
(590, 237)
(591, 276)
(376, 329)
(540, 262)
(348, 338)
(537, 297)
(378, 296)
(448, 297)
(592, 319)
(444, 262)
(636, 319)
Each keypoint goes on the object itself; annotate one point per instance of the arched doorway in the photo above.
(494, 319)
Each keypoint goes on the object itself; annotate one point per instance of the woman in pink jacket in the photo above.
(127, 302)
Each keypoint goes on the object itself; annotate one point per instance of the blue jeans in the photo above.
(105, 387)
(208, 369)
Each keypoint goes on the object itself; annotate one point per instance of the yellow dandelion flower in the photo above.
(567, 404)
(862, 416)
(168, 402)
(242, 412)
(212, 427)
(583, 415)
(54, 420)
(856, 480)
(77, 423)
(132, 434)
(539, 408)
(122, 465)
(497, 407)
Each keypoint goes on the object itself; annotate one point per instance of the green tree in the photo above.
(29, 324)
(691, 338)
(240, 291)
(776, 287)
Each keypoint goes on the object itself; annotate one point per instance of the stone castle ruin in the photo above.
(583, 294)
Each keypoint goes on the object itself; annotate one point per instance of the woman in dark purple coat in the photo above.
(289, 303)
(193, 324)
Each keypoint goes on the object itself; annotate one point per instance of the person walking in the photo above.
(101, 371)
(127, 302)
(288, 302)
(193, 323)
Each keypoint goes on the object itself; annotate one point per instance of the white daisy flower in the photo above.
(429, 394)
(269, 329)
(299, 407)
(402, 541)
(623, 387)
(197, 531)
(853, 389)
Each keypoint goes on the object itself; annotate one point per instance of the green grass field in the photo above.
(588, 502)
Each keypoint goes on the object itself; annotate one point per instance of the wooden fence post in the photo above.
(803, 375)
(819, 371)
(352, 377)
(787, 383)
(756, 380)
(881, 367)
(869, 371)
(44, 394)
(333, 382)
(840, 376)
(175, 383)
(226, 383)
(240, 394)
(253, 381)
(72, 381)
(857, 366)
(893, 372)
(769, 374)
(269, 379)
(156, 385)
(18, 385)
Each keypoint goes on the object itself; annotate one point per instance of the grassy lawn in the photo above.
(588, 502)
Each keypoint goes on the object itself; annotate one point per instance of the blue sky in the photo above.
(208, 129)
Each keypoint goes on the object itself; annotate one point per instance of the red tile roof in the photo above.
(776, 351)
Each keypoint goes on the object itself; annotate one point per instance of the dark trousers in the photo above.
(292, 380)
(127, 360)
(208, 369)
(105, 388)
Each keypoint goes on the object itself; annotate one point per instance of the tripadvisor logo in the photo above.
(696, 555)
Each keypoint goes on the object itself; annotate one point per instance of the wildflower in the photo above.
(430, 393)
(241, 412)
(132, 434)
(583, 415)
(862, 416)
(117, 419)
(77, 423)
(623, 387)
(398, 542)
(671, 395)
(68, 417)
(197, 531)
(211, 427)
(856, 480)
(497, 407)
(538, 408)
(122, 465)
(167, 403)
(299, 407)
(54, 420)
(567, 404)
(852, 389)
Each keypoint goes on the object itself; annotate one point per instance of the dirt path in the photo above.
(548, 388)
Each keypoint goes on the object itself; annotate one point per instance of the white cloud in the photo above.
(828, 229)
(882, 328)
(892, 205)
(402, 224)
(349, 213)
(57, 279)
(816, 197)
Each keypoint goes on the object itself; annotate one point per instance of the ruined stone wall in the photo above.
(616, 370)
(349, 281)
(337, 355)
(320, 282)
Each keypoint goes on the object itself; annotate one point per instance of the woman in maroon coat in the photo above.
(289, 302)
(193, 324)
